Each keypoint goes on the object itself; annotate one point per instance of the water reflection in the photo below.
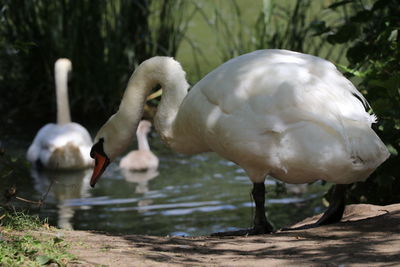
(187, 195)
(141, 179)
(59, 188)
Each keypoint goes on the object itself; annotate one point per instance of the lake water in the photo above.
(188, 195)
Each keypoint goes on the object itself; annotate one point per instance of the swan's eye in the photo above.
(92, 152)
(98, 148)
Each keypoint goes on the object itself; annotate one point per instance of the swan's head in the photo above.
(144, 127)
(101, 161)
(63, 65)
(111, 141)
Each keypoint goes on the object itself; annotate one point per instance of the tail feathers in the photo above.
(372, 119)
(366, 148)
(67, 157)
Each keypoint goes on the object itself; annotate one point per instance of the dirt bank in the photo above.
(367, 236)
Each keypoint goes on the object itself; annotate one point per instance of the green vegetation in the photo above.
(104, 39)
(18, 249)
(19, 221)
(372, 35)
(288, 25)
(19, 245)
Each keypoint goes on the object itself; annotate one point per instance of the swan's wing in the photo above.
(82, 135)
(285, 87)
(279, 78)
(255, 101)
(39, 143)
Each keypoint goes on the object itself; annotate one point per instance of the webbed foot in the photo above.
(333, 214)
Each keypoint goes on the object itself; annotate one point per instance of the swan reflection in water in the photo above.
(63, 186)
(142, 179)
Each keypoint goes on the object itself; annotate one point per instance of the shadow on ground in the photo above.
(367, 236)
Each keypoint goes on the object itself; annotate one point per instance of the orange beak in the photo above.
(101, 163)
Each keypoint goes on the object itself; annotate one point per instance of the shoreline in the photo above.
(368, 235)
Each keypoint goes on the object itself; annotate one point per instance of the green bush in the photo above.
(374, 59)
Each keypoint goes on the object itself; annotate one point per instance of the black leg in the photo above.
(334, 213)
(261, 224)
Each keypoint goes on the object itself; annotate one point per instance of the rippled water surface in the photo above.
(188, 195)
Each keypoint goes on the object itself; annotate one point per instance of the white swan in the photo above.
(142, 159)
(65, 145)
(273, 112)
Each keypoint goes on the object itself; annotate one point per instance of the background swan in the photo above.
(65, 145)
(141, 159)
(273, 112)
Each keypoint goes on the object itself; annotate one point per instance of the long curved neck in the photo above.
(61, 79)
(143, 144)
(164, 71)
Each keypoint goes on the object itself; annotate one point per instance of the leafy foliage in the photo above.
(373, 33)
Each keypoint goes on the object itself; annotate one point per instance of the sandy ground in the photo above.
(367, 236)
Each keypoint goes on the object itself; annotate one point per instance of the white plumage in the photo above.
(290, 115)
(273, 112)
(65, 145)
